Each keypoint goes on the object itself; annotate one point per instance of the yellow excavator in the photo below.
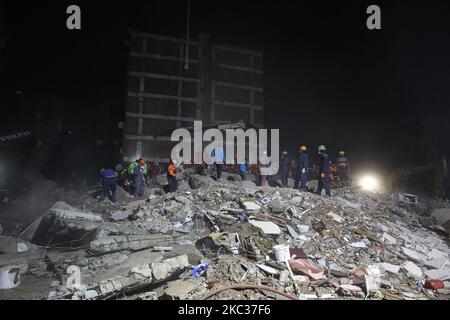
(440, 170)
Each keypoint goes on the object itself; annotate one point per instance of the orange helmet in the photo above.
(303, 148)
(141, 162)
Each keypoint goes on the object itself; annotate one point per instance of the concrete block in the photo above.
(412, 269)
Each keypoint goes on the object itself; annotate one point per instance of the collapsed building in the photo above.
(225, 239)
(230, 239)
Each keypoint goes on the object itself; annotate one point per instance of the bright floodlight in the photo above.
(368, 183)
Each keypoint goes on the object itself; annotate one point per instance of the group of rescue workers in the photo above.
(326, 173)
(133, 178)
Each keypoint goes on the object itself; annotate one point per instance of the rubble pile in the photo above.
(230, 239)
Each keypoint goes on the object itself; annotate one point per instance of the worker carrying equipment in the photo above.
(343, 167)
(324, 171)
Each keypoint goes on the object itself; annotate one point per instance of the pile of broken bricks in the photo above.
(215, 239)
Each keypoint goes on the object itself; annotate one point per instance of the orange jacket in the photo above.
(171, 169)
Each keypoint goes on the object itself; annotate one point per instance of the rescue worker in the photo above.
(343, 167)
(263, 164)
(284, 168)
(139, 179)
(219, 160)
(302, 175)
(172, 177)
(243, 168)
(108, 179)
(324, 172)
(131, 167)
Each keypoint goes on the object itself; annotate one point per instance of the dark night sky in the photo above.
(382, 95)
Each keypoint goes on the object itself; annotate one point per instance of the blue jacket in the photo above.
(107, 174)
(303, 161)
(138, 171)
(284, 165)
(324, 164)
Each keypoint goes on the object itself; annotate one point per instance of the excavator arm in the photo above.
(439, 169)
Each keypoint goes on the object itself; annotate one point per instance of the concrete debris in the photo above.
(442, 274)
(268, 269)
(132, 242)
(179, 289)
(277, 206)
(74, 215)
(412, 269)
(387, 237)
(212, 234)
(266, 227)
(416, 256)
(442, 216)
(406, 198)
(10, 275)
(121, 215)
(390, 267)
(250, 206)
(335, 217)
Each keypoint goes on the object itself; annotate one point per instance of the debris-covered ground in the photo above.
(228, 239)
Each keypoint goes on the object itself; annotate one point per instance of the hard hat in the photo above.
(342, 153)
(141, 162)
(119, 167)
(322, 148)
(264, 153)
(303, 148)
(284, 153)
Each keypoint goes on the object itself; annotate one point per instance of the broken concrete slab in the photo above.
(10, 275)
(266, 226)
(250, 206)
(335, 217)
(162, 269)
(389, 238)
(121, 215)
(441, 215)
(143, 270)
(75, 215)
(412, 269)
(267, 269)
(416, 256)
(179, 289)
(107, 260)
(442, 274)
(360, 244)
(132, 242)
(292, 232)
(276, 206)
(133, 205)
(392, 268)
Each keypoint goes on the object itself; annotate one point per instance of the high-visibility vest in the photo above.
(131, 167)
(145, 169)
